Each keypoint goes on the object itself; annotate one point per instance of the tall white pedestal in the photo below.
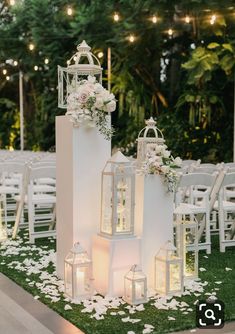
(112, 259)
(153, 219)
(81, 154)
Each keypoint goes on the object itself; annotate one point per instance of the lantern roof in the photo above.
(166, 251)
(118, 157)
(77, 249)
(151, 130)
(92, 65)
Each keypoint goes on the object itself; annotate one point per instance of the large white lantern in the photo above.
(168, 270)
(80, 65)
(135, 286)
(186, 240)
(77, 274)
(148, 140)
(118, 197)
(3, 224)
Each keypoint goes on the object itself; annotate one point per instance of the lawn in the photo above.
(33, 268)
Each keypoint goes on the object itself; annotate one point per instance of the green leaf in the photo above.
(189, 98)
(213, 99)
(213, 45)
(228, 47)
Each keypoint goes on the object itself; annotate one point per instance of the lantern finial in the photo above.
(150, 122)
(83, 47)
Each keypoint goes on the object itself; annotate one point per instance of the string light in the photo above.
(170, 32)
(100, 54)
(131, 38)
(187, 19)
(12, 2)
(154, 19)
(35, 68)
(46, 61)
(69, 11)
(116, 17)
(213, 19)
(15, 62)
(7, 78)
(31, 46)
(4, 71)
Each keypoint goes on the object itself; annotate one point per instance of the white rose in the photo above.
(98, 88)
(111, 106)
(91, 79)
(165, 169)
(99, 103)
(158, 149)
(166, 154)
(178, 161)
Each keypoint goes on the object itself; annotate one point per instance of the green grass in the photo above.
(215, 266)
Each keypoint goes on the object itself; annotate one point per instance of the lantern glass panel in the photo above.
(190, 251)
(82, 285)
(135, 283)
(160, 276)
(124, 205)
(68, 279)
(175, 276)
(107, 204)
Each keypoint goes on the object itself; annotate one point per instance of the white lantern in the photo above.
(3, 224)
(80, 65)
(148, 140)
(186, 240)
(135, 286)
(118, 197)
(168, 270)
(77, 275)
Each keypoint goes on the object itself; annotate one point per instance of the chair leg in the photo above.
(221, 230)
(53, 219)
(31, 214)
(208, 233)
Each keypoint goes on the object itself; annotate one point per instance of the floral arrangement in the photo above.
(160, 161)
(89, 104)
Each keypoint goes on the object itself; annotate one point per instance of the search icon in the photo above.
(210, 314)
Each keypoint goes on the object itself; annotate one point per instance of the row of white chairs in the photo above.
(207, 194)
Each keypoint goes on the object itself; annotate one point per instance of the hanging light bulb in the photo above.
(154, 19)
(69, 11)
(213, 19)
(15, 62)
(187, 19)
(170, 32)
(46, 61)
(4, 71)
(7, 78)
(35, 68)
(31, 46)
(100, 54)
(116, 17)
(131, 38)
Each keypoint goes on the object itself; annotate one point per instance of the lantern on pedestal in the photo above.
(118, 197)
(186, 240)
(135, 286)
(77, 275)
(3, 224)
(148, 140)
(80, 65)
(168, 270)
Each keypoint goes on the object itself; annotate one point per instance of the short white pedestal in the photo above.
(154, 219)
(112, 259)
(81, 154)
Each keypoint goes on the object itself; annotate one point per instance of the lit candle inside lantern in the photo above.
(138, 291)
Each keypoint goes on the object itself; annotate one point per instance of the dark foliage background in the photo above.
(185, 80)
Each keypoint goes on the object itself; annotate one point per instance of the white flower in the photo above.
(158, 149)
(99, 103)
(111, 106)
(178, 161)
(98, 88)
(166, 154)
(91, 79)
(165, 169)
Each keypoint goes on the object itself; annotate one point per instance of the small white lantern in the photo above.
(3, 224)
(186, 240)
(118, 197)
(148, 140)
(77, 275)
(168, 270)
(80, 65)
(135, 286)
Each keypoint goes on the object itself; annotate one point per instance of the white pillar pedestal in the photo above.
(154, 219)
(81, 154)
(112, 259)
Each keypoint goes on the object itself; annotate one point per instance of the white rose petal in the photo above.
(67, 307)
